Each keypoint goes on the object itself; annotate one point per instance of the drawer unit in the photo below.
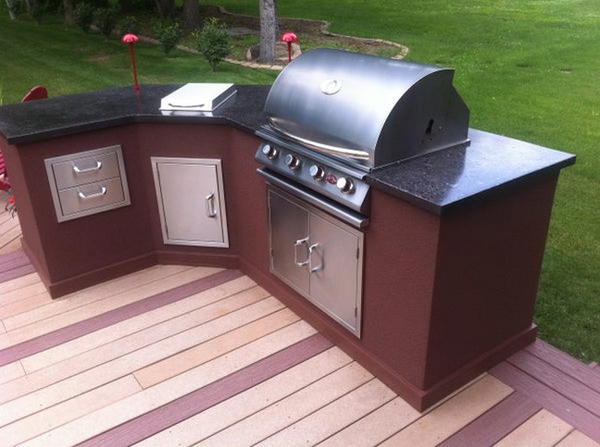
(87, 182)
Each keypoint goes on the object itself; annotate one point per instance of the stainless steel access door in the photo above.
(289, 241)
(318, 256)
(335, 270)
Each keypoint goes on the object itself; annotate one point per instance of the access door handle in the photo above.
(210, 205)
(311, 250)
(297, 244)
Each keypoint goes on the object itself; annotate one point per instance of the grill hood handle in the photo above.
(327, 148)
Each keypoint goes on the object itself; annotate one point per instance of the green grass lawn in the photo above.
(529, 69)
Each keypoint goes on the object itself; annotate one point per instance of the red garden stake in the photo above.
(131, 39)
(289, 38)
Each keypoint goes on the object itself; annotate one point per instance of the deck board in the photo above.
(176, 355)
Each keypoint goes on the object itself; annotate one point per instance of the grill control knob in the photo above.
(317, 172)
(270, 152)
(292, 161)
(345, 185)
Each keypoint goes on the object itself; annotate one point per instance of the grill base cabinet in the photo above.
(191, 201)
(318, 256)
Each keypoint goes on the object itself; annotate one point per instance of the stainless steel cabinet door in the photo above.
(335, 271)
(191, 201)
(289, 241)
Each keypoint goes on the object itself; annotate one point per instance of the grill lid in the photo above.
(367, 110)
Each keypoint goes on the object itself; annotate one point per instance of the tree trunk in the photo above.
(268, 30)
(191, 15)
(11, 14)
(29, 4)
(165, 7)
(68, 7)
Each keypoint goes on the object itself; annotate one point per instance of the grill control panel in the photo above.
(341, 187)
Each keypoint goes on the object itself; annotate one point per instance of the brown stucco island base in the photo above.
(446, 295)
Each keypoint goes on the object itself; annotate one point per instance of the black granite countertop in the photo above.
(437, 182)
(64, 115)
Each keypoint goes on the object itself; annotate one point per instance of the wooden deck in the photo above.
(181, 356)
(10, 230)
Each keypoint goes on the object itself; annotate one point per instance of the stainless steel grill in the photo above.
(334, 116)
(365, 110)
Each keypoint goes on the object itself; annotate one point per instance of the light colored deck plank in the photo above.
(13, 245)
(185, 312)
(55, 416)
(10, 234)
(22, 305)
(281, 414)
(150, 398)
(56, 372)
(98, 307)
(242, 405)
(333, 417)
(26, 291)
(180, 362)
(126, 364)
(541, 430)
(577, 439)
(92, 294)
(11, 371)
(18, 283)
(376, 426)
(451, 416)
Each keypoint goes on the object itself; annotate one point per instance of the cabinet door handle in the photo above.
(78, 170)
(83, 196)
(210, 205)
(311, 250)
(297, 244)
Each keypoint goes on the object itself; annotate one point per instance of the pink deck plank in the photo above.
(558, 381)
(9, 256)
(62, 335)
(580, 418)
(563, 361)
(187, 406)
(16, 272)
(14, 261)
(496, 423)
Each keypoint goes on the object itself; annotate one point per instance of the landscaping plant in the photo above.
(84, 16)
(169, 35)
(213, 42)
(105, 19)
(129, 25)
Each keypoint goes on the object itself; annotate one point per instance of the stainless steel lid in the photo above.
(367, 110)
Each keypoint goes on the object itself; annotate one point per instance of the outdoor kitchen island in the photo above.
(453, 243)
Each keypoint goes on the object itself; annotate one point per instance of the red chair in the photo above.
(37, 92)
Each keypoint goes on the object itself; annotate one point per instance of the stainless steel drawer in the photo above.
(102, 194)
(87, 182)
(80, 171)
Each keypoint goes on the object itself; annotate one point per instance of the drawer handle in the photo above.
(78, 170)
(210, 205)
(297, 244)
(83, 196)
(312, 269)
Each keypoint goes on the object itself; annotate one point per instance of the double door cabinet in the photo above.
(318, 256)
(191, 201)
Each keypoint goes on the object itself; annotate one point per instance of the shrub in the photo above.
(213, 42)
(169, 35)
(84, 16)
(129, 24)
(105, 19)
